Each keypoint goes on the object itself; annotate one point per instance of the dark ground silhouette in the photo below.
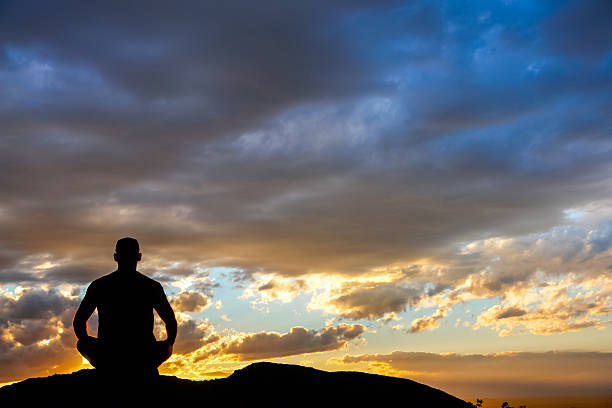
(259, 384)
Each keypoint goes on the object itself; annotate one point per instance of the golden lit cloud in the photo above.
(192, 302)
(570, 304)
(36, 335)
(429, 322)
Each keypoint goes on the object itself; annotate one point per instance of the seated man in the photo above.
(125, 300)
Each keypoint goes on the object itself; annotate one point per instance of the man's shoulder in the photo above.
(99, 285)
(102, 280)
(114, 278)
(148, 281)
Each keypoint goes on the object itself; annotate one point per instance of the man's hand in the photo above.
(165, 312)
(169, 345)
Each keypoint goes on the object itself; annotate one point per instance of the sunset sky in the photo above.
(412, 188)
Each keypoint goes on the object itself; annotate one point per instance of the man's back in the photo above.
(125, 302)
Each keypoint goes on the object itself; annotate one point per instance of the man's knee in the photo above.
(161, 352)
(86, 344)
(89, 348)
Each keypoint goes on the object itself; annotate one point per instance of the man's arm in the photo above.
(86, 308)
(165, 312)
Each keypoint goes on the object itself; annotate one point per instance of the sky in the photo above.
(411, 188)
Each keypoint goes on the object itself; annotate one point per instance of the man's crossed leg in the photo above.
(108, 357)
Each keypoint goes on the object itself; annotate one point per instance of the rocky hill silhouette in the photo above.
(264, 383)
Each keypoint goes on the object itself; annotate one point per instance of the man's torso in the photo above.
(125, 306)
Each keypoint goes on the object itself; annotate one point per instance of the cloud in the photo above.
(193, 302)
(36, 335)
(266, 288)
(370, 296)
(430, 322)
(28, 332)
(500, 374)
(571, 304)
(510, 312)
(546, 282)
(32, 303)
(377, 300)
(297, 341)
(579, 29)
(192, 335)
(323, 138)
(378, 294)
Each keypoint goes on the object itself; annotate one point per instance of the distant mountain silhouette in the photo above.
(266, 384)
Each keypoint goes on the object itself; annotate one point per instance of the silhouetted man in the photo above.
(125, 300)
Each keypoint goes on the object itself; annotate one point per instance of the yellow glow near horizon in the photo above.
(7, 383)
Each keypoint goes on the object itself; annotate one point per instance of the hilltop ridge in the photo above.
(263, 383)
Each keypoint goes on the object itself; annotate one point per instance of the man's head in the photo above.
(127, 252)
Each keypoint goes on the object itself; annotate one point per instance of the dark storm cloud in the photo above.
(67, 273)
(12, 276)
(582, 29)
(35, 304)
(73, 273)
(294, 137)
(218, 59)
